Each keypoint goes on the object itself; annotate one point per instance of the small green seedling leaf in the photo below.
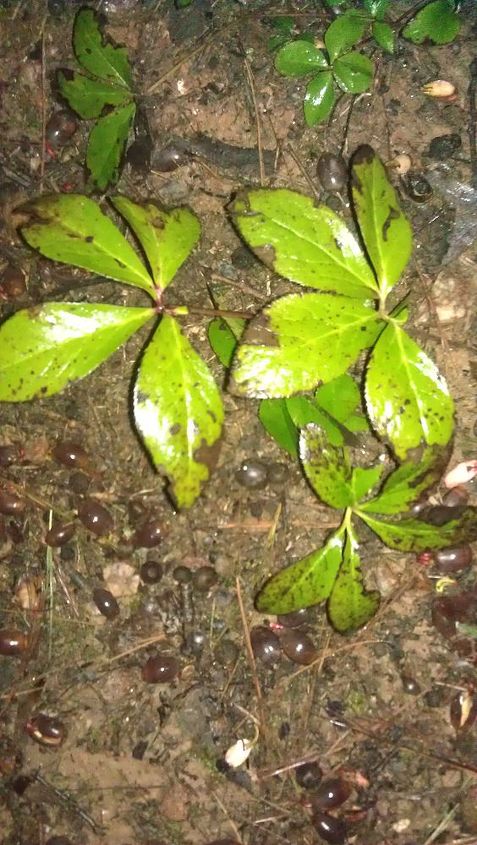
(319, 98)
(384, 36)
(223, 336)
(309, 245)
(277, 421)
(438, 22)
(353, 72)
(411, 480)
(326, 467)
(72, 229)
(106, 144)
(363, 480)
(44, 348)
(306, 582)
(343, 33)
(416, 535)
(385, 230)
(167, 238)
(376, 8)
(350, 606)
(88, 97)
(286, 349)
(178, 411)
(407, 398)
(340, 398)
(300, 58)
(97, 56)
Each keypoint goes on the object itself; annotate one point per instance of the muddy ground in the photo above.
(141, 763)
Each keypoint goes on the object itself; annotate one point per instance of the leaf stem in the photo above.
(185, 310)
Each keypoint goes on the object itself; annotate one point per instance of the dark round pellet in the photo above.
(60, 534)
(71, 454)
(454, 558)
(10, 504)
(332, 172)
(151, 572)
(308, 775)
(106, 603)
(265, 644)
(182, 574)
(160, 669)
(331, 793)
(95, 517)
(252, 474)
(149, 535)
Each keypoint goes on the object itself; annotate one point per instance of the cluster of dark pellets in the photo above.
(268, 644)
(324, 797)
(256, 475)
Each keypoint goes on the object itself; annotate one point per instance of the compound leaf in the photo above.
(411, 480)
(438, 22)
(304, 583)
(44, 348)
(364, 479)
(277, 421)
(416, 535)
(300, 340)
(178, 411)
(106, 144)
(385, 230)
(384, 36)
(340, 398)
(350, 606)
(299, 58)
(72, 229)
(304, 411)
(343, 33)
(326, 467)
(88, 97)
(407, 399)
(319, 98)
(167, 237)
(353, 72)
(98, 56)
(223, 335)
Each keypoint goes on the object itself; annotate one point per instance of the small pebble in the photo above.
(252, 474)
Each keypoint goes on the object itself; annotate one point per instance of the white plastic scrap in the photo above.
(461, 474)
(238, 752)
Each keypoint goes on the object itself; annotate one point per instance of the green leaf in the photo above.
(411, 480)
(96, 55)
(326, 467)
(437, 22)
(88, 97)
(167, 237)
(384, 36)
(363, 480)
(376, 8)
(300, 340)
(178, 411)
(415, 535)
(304, 411)
(106, 144)
(353, 73)
(307, 244)
(385, 230)
(350, 606)
(276, 420)
(340, 398)
(407, 398)
(299, 58)
(319, 98)
(72, 229)
(306, 582)
(44, 348)
(283, 27)
(223, 336)
(345, 31)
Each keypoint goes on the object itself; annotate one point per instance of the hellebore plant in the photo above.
(302, 340)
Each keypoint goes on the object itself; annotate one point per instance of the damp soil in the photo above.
(143, 763)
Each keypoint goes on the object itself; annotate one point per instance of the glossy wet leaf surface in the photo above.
(44, 348)
(307, 244)
(385, 230)
(344, 32)
(106, 145)
(384, 36)
(415, 535)
(71, 228)
(364, 479)
(299, 341)
(96, 54)
(353, 72)
(407, 398)
(88, 97)
(409, 481)
(223, 336)
(350, 605)
(437, 22)
(319, 98)
(167, 237)
(326, 467)
(276, 419)
(304, 583)
(341, 399)
(299, 58)
(178, 411)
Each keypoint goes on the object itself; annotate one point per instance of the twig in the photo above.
(43, 109)
(257, 120)
(291, 152)
(248, 644)
(229, 820)
(70, 803)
